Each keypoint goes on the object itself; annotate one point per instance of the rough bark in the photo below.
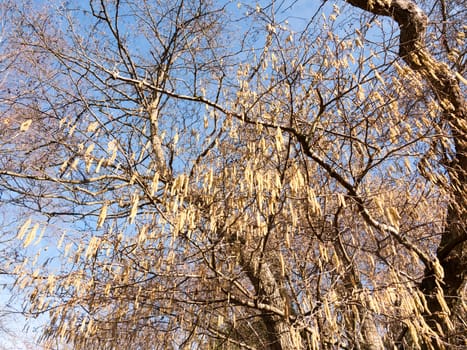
(281, 334)
(451, 252)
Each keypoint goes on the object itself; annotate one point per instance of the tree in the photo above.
(443, 289)
(193, 174)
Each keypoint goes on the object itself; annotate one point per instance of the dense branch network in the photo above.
(226, 197)
(446, 87)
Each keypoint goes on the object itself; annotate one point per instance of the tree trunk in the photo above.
(281, 335)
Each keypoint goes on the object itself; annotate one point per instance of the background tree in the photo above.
(198, 174)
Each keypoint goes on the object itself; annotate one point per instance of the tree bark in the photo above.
(452, 250)
(281, 334)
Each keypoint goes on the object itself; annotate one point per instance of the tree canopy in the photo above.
(200, 174)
